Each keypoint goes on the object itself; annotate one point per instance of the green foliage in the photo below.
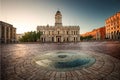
(31, 36)
(86, 37)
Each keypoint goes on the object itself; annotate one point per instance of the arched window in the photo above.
(52, 32)
(74, 32)
(52, 39)
(49, 32)
(58, 32)
(67, 39)
(67, 32)
(42, 39)
(74, 38)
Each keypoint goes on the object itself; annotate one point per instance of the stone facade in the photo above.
(113, 27)
(7, 33)
(59, 33)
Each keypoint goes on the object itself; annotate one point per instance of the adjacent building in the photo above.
(97, 34)
(18, 36)
(91, 33)
(58, 32)
(112, 25)
(100, 33)
(7, 33)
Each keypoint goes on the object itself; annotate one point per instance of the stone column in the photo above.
(0, 33)
(5, 34)
(70, 38)
(55, 39)
(78, 35)
(78, 38)
(12, 34)
(9, 34)
(61, 39)
(15, 34)
(110, 35)
(114, 35)
(43, 39)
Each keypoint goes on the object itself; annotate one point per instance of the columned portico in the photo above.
(0, 33)
(7, 33)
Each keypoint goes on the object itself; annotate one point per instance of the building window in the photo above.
(117, 26)
(74, 38)
(67, 32)
(52, 39)
(49, 32)
(52, 32)
(74, 32)
(58, 32)
(67, 39)
(64, 39)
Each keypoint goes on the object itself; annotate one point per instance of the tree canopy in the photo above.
(32, 36)
(89, 37)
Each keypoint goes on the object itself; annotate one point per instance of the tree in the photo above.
(39, 34)
(89, 37)
(31, 36)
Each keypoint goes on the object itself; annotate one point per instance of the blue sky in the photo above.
(25, 15)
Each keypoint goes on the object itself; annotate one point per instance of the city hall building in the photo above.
(59, 33)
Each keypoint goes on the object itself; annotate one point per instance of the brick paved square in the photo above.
(18, 61)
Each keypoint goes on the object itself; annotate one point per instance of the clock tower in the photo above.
(58, 19)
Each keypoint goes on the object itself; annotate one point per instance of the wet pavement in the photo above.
(17, 61)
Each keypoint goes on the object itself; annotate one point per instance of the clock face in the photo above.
(58, 19)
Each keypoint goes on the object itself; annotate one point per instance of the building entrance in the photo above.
(58, 39)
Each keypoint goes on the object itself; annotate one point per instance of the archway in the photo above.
(52, 39)
(58, 39)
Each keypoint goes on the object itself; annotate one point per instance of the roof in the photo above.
(58, 13)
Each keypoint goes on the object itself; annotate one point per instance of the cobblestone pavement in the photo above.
(17, 61)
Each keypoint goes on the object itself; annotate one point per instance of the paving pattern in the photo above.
(18, 63)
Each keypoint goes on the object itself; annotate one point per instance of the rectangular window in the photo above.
(49, 32)
(52, 32)
(67, 32)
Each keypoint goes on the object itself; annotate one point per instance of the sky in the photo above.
(26, 15)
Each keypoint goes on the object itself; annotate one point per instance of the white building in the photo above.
(59, 33)
(18, 36)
